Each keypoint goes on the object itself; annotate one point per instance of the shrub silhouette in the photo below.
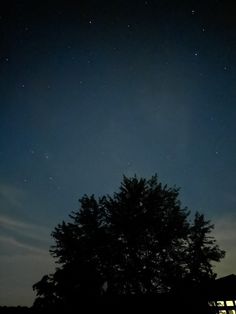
(137, 242)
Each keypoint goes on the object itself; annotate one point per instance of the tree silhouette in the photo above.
(137, 242)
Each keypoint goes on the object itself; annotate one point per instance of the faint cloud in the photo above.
(11, 194)
(225, 235)
(24, 253)
(17, 224)
(12, 201)
(225, 228)
(24, 259)
(10, 241)
(12, 223)
(29, 230)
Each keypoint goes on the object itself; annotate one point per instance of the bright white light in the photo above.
(229, 303)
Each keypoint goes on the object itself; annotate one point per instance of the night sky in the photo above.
(92, 90)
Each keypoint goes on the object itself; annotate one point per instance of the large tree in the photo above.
(138, 241)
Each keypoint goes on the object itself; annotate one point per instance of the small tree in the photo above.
(138, 241)
(202, 250)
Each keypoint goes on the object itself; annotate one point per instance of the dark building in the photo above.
(222, 295)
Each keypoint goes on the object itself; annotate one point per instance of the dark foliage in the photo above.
(138, 242)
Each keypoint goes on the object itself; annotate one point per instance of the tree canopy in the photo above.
(140, 241)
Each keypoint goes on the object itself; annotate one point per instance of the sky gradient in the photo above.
(92, 90)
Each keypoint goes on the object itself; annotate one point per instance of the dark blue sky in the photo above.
(92, 90)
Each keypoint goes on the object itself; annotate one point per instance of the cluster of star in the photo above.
(43, 156)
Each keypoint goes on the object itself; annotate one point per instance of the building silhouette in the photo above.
(222, 295)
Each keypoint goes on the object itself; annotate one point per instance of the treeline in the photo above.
(164, 304)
